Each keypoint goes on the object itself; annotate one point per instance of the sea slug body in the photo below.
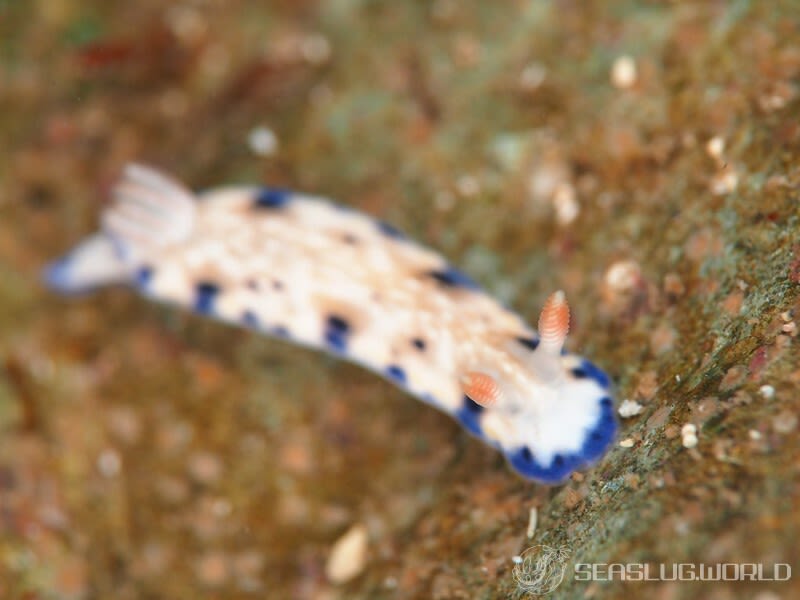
(302, 268)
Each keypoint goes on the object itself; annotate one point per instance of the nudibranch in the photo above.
(316, 273)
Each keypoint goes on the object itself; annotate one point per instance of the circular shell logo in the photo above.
(541, 569)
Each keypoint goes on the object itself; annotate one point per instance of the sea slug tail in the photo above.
(148, 210)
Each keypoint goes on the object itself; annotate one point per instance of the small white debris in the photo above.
(678, 378)
(348, 555)
(533, 519)
(543, 180)
(626, 443)
(109, 463)
(565, 203)
(754, 435)
(532, 76)
(623, 72)
(205, 467)
(262, 141)
(623, 275)
(516, 559)
(785, 422)
(767, 391)
(726, 179)
(689, 434)
(316, 49)
(715, 147)
(186, 23)
(468, 185)
(221, 508)
(629, 408)
(724, 182)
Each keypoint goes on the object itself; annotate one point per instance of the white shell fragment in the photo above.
(629, 408)
(689, 435)
(348, 555)
(623, 72)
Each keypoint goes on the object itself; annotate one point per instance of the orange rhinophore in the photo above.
(554, 322)
(481, 388)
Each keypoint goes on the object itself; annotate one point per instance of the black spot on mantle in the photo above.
(390, 230)
(529, 342)
(419, 344)
(453, 278)
(337, 330)
(205, 294)
(396, 374)
(271, 198)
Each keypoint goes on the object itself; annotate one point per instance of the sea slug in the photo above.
(302, 268)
